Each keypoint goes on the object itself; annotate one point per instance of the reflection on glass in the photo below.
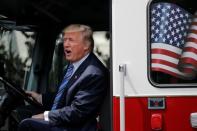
(172, 34)
(16, 49)
(102, 44)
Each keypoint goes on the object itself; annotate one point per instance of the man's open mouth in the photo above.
(67, 52)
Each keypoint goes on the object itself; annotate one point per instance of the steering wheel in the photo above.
(20, 92)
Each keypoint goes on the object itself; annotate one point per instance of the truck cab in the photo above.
(31, 44)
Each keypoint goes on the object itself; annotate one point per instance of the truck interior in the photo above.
(31, 49)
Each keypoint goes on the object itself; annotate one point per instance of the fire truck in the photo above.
(149, 47)
(149, 91)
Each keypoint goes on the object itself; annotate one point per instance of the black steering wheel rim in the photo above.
(10, 89)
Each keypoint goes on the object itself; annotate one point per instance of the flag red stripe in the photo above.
(190, 49)
(164, 70)
(194, 23)
(165, 52)
(159, 61)
(187, 70)
(163, 62)
(188, 60)
(192, 40)
(193, 31)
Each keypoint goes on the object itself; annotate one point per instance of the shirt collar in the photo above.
(78, 63)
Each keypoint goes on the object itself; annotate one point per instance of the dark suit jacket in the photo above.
(82, 98)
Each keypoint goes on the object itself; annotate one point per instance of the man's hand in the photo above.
(38, 116)
(34, 95)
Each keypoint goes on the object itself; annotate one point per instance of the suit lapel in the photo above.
(79, 71)
(74, 78)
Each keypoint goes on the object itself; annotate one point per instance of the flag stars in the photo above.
(153, 11)
(164, 39)
(162, 27)
(179, 22)
(178, 10)
(162, 18)
(152, 36)
(171, 19)
(157, 22)
(166, 22)
(156, 30)
(153, 19)
(173, 11)
(158, 14)
(178, 44)
(152, 27)
(176, 17)
(187, 15)
(172, 33)
(163, 10)
(174, 25)
(165, 31)
(175, 38)
(180, 36)
(177, 30)
(168, 36)
(181, 16)
(169, 24)
(170, 28)
(160, 35)
(167, 14)
(158, 6)
(156, 39)
(171, 41)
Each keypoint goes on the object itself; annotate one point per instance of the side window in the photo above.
(16, 48)
(172, 42)
(101, 46)
(58, 65)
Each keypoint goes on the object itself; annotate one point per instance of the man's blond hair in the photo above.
(87, 32)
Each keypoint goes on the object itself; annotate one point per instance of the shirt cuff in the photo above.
(46, 115)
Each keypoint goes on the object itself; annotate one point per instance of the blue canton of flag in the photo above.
(169, 27)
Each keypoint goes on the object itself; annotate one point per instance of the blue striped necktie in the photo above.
(63, 85)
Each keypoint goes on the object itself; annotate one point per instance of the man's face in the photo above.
(74, 46)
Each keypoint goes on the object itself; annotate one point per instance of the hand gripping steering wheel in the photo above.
(19, 92)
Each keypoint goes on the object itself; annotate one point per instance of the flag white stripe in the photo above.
(174, 70)
(193, 27)
(191, 44)
(194, 20)
(166, 47)
(192, 35)
(165, 57)
(190, 54)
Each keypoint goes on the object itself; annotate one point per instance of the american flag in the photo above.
(170, 25)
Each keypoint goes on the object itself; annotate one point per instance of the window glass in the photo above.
(16, 48)
(102, 45)
(173, 40)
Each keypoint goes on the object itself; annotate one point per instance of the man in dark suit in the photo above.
(82, 91)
